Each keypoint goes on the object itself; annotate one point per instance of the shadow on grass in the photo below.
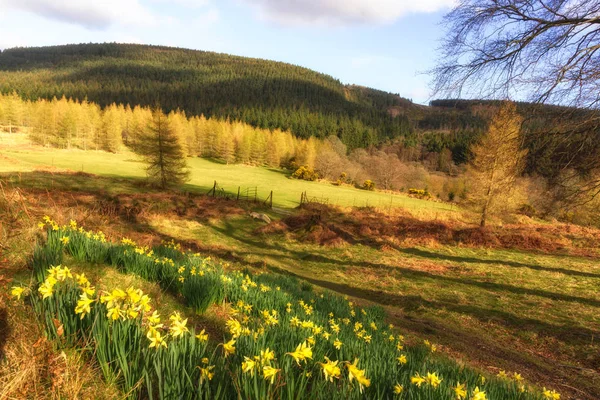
(445, 257)
(231, 231)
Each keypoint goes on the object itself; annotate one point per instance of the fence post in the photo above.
(215, 189)
(271, 196)
(238, 196)
(255, 193)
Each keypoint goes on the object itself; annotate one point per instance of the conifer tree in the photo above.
(498, 160)
(162, 151)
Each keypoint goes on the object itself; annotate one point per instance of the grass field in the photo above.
(496, 309)
(286, 191)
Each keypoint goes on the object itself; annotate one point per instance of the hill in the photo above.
(275, 95)
(264, 93)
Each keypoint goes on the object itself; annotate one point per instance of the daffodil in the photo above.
(269, 373)
(460, 391)
(337, 344)
(114, 313)
(229, 348)
(202, 336)
(81, 279)
(248, 366)
(302, 352)
(46, 289)
(401, 359)
(154, 319)
(478, 394)
(517, 377)
(206, 373)
(417, 380)
(331, 370)
(235, 328)
(17, 291)
(551, 394)
(502, 374)
(398, 388)
(83, 305)
(267, 355)
(433, 379)
(358, 374)
(432, 347)
(156, 340)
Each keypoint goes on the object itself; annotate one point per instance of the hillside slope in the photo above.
(263, 93)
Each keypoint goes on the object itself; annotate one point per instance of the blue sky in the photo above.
(384, 44)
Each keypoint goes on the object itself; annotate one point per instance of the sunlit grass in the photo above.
(286, 191)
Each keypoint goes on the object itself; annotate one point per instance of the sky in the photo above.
(384, 44)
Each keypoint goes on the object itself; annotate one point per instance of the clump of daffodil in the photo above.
(432, 347)
(302, 352)
(398, 388)
(330, 369)
(358, 374)
(206, 373)
(551, 394)
(126, 304)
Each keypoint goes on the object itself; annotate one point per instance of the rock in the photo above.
(262, 217)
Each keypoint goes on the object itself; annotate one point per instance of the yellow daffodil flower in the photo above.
(478, 394)
(269, 373)
(460, 391)
(331, 370)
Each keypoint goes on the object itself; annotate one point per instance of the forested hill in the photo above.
(264, 93)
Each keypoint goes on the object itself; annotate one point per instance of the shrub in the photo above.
(419, 193)
(306, 173)
(369, 185)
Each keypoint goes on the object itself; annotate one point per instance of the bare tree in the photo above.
(544, 51)
(501, 48)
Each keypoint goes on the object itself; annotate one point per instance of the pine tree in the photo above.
(498, 160)
(162, 151)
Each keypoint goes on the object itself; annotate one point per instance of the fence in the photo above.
(249, 194)
(305, 199)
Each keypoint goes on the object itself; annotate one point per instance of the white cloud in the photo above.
(90, 14)
(343, 12)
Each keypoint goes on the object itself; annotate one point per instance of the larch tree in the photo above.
(161, 149)
(497, 160)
